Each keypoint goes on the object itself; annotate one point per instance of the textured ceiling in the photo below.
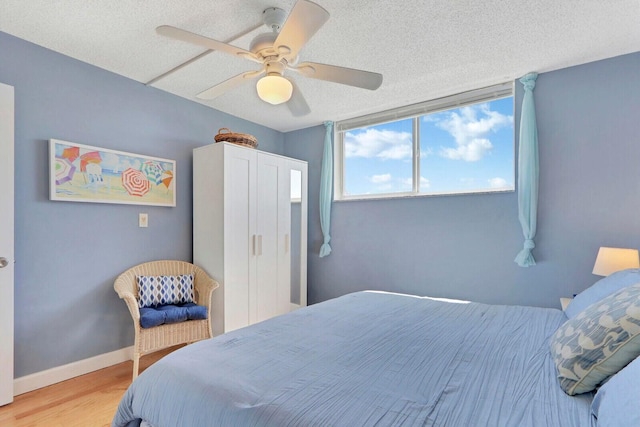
(424, 49)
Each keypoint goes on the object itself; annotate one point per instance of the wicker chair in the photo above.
(148, 340)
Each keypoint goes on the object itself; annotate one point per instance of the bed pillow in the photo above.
(602, 288)
(598, 342)
(162, 290)
(616, 402)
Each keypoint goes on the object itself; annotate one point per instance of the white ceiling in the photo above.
(424, 48)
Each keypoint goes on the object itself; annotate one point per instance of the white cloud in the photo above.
(396, 152)
(379, 179)
(470, 129)
(424, 182)
(382, 144)
(425, 152)
(499, 183)
(472, 151)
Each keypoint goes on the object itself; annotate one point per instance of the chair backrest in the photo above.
(126, 282)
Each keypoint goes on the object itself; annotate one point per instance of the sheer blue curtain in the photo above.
(528, 170)
(326, 187)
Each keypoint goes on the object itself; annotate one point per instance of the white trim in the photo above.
(7, 246)
(65, 372)
(338, 165)
(294, 306)
(498, 91)
(407, 195)
(304, 227)
(416, 157)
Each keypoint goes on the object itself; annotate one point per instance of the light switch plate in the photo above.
(143, 220)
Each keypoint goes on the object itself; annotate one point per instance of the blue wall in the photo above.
(464, 246)
(68, 254)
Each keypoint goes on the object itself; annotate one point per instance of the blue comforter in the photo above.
(366, 359)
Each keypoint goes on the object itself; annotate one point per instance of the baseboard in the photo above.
(294, 306)
(61, 373)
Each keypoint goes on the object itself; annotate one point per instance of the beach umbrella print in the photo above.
(135, 182)
(64, 170)
(90, 157)
(153, 171)
(167, 177)
(71, 153)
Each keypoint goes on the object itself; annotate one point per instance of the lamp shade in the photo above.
(274, 89)
(610, 260)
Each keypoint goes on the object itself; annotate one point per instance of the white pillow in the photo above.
(601, 289)
(617, 403)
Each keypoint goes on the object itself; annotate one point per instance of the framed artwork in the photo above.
(82, 173)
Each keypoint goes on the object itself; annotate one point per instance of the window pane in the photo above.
(378, 159)
(468, 149)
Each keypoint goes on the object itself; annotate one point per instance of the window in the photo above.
(455, 145)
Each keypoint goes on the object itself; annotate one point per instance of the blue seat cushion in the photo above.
(170, 313)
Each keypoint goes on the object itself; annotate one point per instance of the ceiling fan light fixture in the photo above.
(274, 89)
(277, 51)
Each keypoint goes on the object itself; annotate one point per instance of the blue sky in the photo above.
(465, 149)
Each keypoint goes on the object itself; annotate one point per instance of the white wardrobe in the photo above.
(250, 232)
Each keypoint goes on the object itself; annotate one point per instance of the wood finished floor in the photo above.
(86, 401)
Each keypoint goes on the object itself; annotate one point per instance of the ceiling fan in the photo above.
(277, 51)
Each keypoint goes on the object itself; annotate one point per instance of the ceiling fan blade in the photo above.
(232, 83)
(189, 37)
(297, 104)
(345, 76)
(303, 22)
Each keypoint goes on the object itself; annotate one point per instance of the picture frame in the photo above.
(84, 173)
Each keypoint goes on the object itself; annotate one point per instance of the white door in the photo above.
(6, 244)
(267, 211)
(239, 236)
(284, 238)
(273, 268)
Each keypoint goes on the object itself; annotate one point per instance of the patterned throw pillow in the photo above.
(162, 290)
(598, 342)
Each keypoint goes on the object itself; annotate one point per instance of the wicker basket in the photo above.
(224, 134)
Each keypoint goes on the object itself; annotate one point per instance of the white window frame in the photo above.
(414, 111)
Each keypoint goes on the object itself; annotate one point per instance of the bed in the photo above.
(384, 359)
(367, 359)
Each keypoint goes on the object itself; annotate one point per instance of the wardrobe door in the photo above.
(271, 220)
(283, 287)
(239, 235)
(208, 223)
